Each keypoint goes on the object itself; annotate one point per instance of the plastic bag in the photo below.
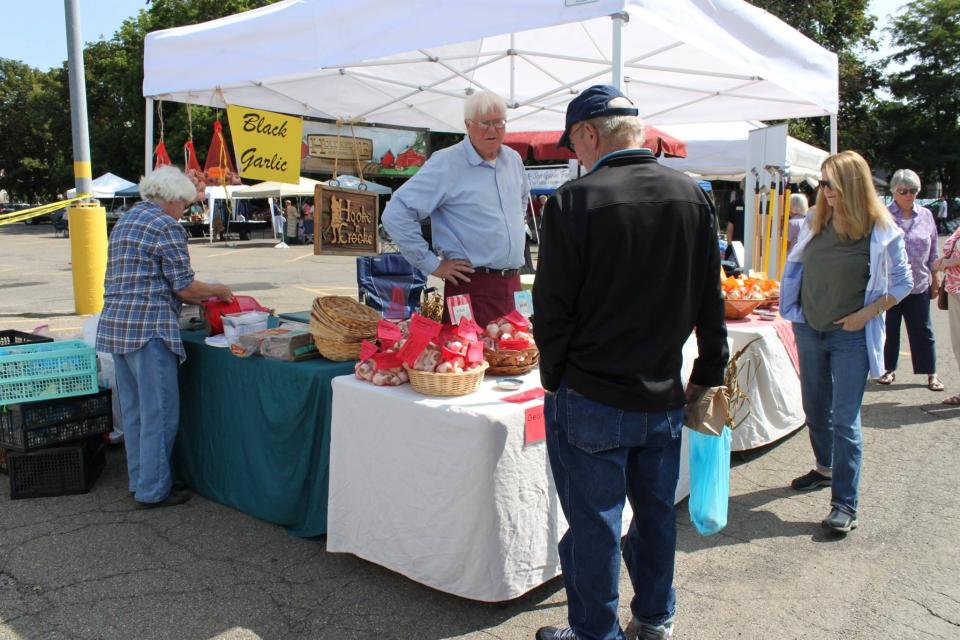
(709, 480)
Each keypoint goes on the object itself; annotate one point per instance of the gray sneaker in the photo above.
(840, 521)
(637, 630)
(556, 633)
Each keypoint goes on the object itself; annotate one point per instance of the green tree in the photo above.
(26, 136)
(844, 27)
(921, 125)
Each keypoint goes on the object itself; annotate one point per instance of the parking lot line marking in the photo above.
(232, 252)
(306, 255)
(309, 290)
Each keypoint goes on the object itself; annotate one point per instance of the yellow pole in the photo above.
(88, 249)
(784, 232)
(765, 251)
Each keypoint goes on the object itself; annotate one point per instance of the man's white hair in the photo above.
(483, 103)
(167, 184)
(627, 131)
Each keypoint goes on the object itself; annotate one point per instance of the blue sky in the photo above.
(34, 30)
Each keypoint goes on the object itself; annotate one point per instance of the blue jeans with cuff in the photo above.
(600, 456)
(833, 376)
(150, 410)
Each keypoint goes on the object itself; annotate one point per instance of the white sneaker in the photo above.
(115, 437)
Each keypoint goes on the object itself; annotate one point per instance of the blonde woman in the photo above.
(838, 321)
(798, 211)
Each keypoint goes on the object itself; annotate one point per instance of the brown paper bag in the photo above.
(710, 412)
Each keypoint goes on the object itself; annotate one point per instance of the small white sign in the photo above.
(523, 301)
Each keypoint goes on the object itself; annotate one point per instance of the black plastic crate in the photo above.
(10, 337)
(58, 471)
(33, 425)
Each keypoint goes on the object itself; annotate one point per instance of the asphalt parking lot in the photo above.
(91, 567)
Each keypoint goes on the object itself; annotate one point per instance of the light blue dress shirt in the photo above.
(476, 209)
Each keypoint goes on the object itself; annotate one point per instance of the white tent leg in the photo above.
(833, 133)
(616, 62)
(148, 139)
(211, 201)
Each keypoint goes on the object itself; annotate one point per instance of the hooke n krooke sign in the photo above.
(346, 222)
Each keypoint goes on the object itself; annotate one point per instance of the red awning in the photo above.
(542, 145)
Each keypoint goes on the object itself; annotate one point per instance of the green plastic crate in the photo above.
(45, 371)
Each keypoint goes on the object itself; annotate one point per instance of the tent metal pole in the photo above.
(148, 139)
(616, 62)
(513, 69)
(833, 134)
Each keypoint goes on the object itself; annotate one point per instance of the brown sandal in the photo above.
(952, 400)
(887, 378)
(934, 384)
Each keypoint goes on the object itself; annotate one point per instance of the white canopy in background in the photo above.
(412, 63)
(105, 186)
(720, 150)
(271, 189)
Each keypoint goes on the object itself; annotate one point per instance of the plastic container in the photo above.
(46, 371)
(58, 471)
(10, 337)
(33, 425)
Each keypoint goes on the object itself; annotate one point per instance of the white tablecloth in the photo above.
(444, 491)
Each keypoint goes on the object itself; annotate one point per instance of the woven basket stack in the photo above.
(339, 324)
(512, 363)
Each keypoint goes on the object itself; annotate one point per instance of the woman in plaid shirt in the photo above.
(148, 277)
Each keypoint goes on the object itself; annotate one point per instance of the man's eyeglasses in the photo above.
(490, 124)
(826, 184)
(904, 191)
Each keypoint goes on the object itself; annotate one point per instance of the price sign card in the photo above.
(523, 301)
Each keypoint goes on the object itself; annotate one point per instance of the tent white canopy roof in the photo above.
(271, 189)
(720, 150)
(105, 186)
(305, 188)
(413, 63)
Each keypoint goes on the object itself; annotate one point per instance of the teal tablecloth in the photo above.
(255, 433)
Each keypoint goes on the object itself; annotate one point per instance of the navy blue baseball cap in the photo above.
(592, 103)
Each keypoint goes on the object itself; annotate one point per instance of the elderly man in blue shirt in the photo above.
(475, 195)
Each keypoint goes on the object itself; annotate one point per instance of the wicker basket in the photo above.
(511, 363)
(337, 351)
(446, 384)
(320, 328)
(769, 302)
(346, 316)
(738, 309)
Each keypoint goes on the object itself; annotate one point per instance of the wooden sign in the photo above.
(324, 152)
(347, 222)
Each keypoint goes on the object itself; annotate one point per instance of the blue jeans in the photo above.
(150, 410)
(833, 375)
(600, 456)
(914, 310)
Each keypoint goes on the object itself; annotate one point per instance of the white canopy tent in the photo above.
(303, 189)
(106, 186)
(720, 150)
(413, 63)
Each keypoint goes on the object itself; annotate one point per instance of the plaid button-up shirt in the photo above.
(148, 262)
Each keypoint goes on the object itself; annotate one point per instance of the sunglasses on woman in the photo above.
(904, 191)
(826, 184)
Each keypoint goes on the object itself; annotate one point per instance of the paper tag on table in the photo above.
(534, 425)
(459, 308)
(523, 301)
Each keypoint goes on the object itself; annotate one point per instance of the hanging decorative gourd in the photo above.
(219, 167)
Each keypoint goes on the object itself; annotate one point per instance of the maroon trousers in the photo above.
(491, 295)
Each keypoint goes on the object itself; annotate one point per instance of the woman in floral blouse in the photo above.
(950, 265)
(920, 237)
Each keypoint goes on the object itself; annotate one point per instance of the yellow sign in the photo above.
(266, 144)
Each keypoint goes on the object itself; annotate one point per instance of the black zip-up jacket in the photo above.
(629, 265)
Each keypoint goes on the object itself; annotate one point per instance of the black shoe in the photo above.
(840, 521)
(172, 500)
(811, 480)
(556, 633)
